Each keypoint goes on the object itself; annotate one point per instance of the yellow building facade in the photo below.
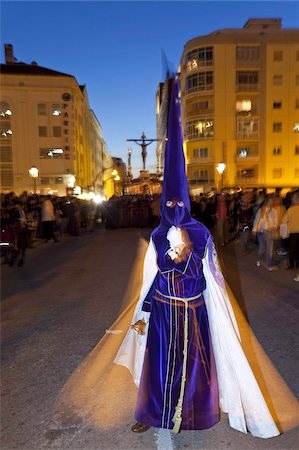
(46, 122)
(240, 105)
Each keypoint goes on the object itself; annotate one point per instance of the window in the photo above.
(203, 152)
(200, 152)
(5, 154)
(243, 105)
(277, 55)
(297, 80)
(297, 55)
(296, 127)
(200, 57)
(6, 131)
(244, 53)
(201, 175)
(276, 151)
(42, 109)
(56, 110)
(42, 131)
(44, 180)
(243, 152)
(7, 177)
(276, 105)
(277, 80)
(247, 81)
(246, 173)
(247, 127)
(199, 128)
(200, 106)
(277, 127)
(297, 103)
(199, 82)
(51, 153)
(59, 180)
(5, 110)
(297, 150)
(277, 173)
(296, 173)
(57, 131)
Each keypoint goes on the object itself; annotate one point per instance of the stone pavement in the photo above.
(57, 307)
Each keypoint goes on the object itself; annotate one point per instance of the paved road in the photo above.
(57, 307)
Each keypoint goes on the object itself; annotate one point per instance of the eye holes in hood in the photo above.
(172, 203)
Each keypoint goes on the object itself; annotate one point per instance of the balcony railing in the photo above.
(245, 134)
(247, 87)
(201, 181)
(252, 156)
(199, 113)
(202, 88)
(248, 181)
(244, 63)
(201, 160)
(197, 64)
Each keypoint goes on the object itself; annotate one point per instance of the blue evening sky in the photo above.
(115, 49)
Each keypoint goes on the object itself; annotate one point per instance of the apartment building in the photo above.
(240, 104)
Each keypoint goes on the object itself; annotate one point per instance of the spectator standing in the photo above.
(48, 219)
(19, 226)
(245, 219)
(291, 218)
(222, 219)
(266, 227)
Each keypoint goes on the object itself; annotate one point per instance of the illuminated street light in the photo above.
(71, 181)
(220, 169)
(33, 172)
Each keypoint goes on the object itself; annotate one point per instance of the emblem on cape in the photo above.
(214, 265)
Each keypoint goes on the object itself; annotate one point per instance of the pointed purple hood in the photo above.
(175, 202)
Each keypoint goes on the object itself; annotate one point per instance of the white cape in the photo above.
(239, 393)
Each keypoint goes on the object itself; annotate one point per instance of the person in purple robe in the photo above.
(187, 343)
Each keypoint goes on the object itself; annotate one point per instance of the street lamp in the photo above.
(33, 172)
(220, 169)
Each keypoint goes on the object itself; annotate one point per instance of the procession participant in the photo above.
(186, 356)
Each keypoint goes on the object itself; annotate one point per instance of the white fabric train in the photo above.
(239, 394)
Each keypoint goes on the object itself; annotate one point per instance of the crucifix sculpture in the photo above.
(143, 142)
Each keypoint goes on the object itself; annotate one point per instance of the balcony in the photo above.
(199, 160)
(247, 87)
(197, 64)
(247, 134)
(248, 63)
(247, 181)
(201, 181)
(199, 89)
(247, 159)
(199, 113)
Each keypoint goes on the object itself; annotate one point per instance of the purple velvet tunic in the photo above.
(160, 383)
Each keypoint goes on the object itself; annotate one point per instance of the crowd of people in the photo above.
(271, 221)
(28, 218)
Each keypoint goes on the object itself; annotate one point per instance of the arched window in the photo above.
(5, 110)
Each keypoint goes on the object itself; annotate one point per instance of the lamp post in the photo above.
(33, 172)
(220, 169)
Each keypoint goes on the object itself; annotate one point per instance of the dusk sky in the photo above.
(115, 49)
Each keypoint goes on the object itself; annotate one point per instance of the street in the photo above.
(57, 307)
